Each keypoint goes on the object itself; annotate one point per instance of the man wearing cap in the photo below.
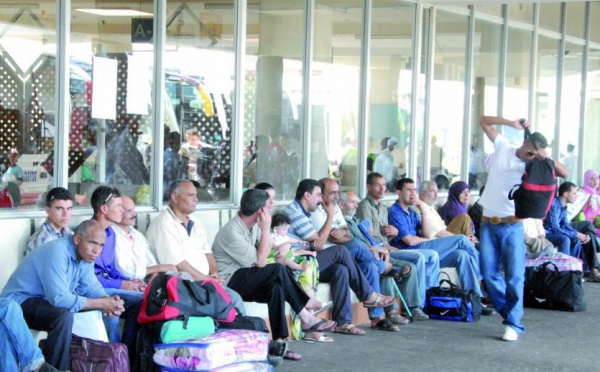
(384, 163)
(502, 236)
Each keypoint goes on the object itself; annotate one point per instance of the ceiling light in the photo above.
(115, 12)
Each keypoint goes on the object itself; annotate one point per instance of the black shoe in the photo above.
(487, 311)
(487, 301)
(274, 360)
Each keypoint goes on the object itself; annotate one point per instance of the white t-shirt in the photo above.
(506, 171)
(132, 253)
(319, 217)
(436, 223)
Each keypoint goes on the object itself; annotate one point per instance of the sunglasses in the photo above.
(108, 198)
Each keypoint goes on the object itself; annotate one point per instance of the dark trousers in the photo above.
(273, 285)
(58, 322)
(589, 250)
(338, 268)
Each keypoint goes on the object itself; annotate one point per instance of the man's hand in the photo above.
(337, 233)
(112, 306)
(318, 244)
(264, 220)
(217, 278)
(389, 231)
(135, 285)
(584, 238)
(329, 208)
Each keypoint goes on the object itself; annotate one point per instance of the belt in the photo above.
(499, 220)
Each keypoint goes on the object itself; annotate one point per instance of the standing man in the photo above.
(336, 265)
(384, 162)
(108, 209)
(57, 280)
(502, 237)
(59, 208)
(371, 209)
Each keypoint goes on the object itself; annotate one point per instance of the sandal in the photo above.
(278, 348)
(594, 277)
(321, 326)
(290, 355)
(349, 329)
(320, 338)
(396, 318)
(398, 272)
(380, 301)
(385, 325)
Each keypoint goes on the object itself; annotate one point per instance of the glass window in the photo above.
(576, 19)
(335, 83)
(550, 16)
(570, 105)
(390, 92)
(27, 100)
(494, 9)
(111, 126)
(594, 24)
(516, 89)
(591, 155)
(546, 72)
(274, 95)
(522, 12)
(199, 62)
(488, 41)
(446, 114)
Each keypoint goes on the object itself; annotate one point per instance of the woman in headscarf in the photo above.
(455, 211)
(591, 209)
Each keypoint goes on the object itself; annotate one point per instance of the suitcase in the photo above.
(148, 335)
(87, 355)
(224, 348)
(239, 367)
(562, 261)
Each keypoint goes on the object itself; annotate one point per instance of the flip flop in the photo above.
(321, 338)
(323, 308)
(385, 325)
(398, 272)
(349, 329)
(290, 355)
(322, 326)
(380, 301)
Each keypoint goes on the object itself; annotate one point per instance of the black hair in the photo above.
(371, 177)
(103, 195)
(58, 193)
(565, 187)
(252, 201)
(306, 185)
(403, 181)
(264, 186)
(279, 219)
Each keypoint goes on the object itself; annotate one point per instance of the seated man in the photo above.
(407, 283)
(59, 207)
(17, 347)
(133, 256)
(461, 224)
(571, 239)
(536, 244)
(415, 233)
(368, 260)
(372, 209)
(57, 280)
(108, 209)
(336, 265)
(241, 248)
(179, 239)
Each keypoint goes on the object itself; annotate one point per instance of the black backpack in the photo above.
(534, 196)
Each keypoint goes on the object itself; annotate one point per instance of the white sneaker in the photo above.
(510, 334)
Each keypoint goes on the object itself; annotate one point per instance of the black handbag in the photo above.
(550, 289)
(453, 303)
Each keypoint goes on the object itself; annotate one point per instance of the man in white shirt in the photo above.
(133, 256)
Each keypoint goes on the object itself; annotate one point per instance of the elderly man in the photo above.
(408, 282)
(179, 239)
(368, 259)
(428, 193)
(108, 209)
(57, 280)
(59, 207)
(414, 232)
(336, 265)
(133, 255)
(372, 209)
(241, 248)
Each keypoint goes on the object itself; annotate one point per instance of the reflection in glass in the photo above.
(447, 98)
(273, 73)
(576, 19)
(27, 101)
(591, 155)
(521, 12)
(550, 15)
(545, 92)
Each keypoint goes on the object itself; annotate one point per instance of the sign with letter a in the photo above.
(141, 30)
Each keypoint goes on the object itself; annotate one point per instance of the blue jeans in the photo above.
(17, 347)
(457, 251)
(564, 244)
(370, 267)
(427, 263)
(132, 301)
(503, 245)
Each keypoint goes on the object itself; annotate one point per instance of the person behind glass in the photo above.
(59, 208)
(191, 151)
(108, 210)
(384, 163)
(57, 280)
(14, 170)
(501, 234)
(17, 348)
(454, 212)
(577, 239)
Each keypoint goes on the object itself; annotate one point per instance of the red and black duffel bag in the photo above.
(170, 297)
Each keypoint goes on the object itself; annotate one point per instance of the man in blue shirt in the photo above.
(569, 238)
(108, 209)
(57, 280)
(59, 207)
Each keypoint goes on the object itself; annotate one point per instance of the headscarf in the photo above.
(453, 207)
(587, 177)
(592, 208)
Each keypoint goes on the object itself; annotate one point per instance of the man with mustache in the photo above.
(56, 281)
